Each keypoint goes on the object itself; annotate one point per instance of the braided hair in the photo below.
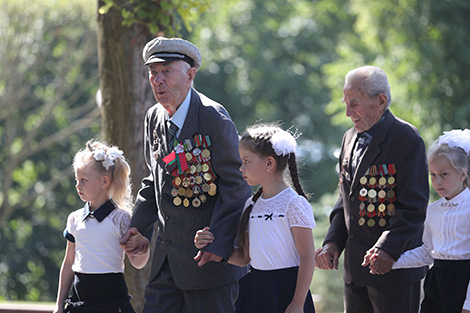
(257, 139)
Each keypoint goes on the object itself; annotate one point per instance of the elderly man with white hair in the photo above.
(384, 191)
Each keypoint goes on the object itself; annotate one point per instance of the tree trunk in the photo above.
(126, 96)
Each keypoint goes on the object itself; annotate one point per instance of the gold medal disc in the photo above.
(372, 193)
(361, 221)
(363, 180)
(382, 181)
(371, 223)
(177, 201)
(370, 208)
(391, 180)
(186, 202)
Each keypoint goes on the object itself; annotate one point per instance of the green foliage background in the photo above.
(267, 60)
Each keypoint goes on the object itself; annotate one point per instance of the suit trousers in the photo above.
(163, 296)
(382, 299)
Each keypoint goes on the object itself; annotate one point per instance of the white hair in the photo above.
(373, 81)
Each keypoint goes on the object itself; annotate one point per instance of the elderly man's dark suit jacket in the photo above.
(177, 225)
(394, 143)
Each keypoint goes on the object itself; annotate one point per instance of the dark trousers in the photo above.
(163, 296)
(445, 287)
(383, 299)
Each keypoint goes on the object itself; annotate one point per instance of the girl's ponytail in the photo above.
(243, 229)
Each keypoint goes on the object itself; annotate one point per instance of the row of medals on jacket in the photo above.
(195, 181)
(373, 196)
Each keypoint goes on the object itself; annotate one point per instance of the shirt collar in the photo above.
(101, 213)
(180, 115)
(465, 194)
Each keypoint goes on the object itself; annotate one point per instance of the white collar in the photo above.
(180, 115)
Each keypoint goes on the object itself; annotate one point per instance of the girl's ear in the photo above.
(105, 182)
(270, 163)
(463, 175)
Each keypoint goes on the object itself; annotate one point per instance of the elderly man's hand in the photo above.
(327, 257)
(379, 261)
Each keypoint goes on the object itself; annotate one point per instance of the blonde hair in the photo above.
(456, 156)
(118, 170)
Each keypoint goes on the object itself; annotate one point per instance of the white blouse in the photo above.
(446, 235)
(272, 245)
(97, 248)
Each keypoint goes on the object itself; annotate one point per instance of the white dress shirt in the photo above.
(446, 235)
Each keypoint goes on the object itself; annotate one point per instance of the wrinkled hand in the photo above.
(133, 242)
(327, 257)
(379, 261)
(203, 238)
(203, 257)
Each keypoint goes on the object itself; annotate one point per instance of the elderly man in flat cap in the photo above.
(191, 151)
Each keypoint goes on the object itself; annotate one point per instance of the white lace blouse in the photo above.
(271, 242)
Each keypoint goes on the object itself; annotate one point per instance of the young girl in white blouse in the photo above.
(94, 261)
(446, 237)
(275, 235)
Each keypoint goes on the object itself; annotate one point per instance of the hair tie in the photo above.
(457, 138)
(107, 158)
(283, 143)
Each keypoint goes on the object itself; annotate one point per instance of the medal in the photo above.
(361, 221)
(198, 180)
(174, 192)
(206, 153)
(363, 181)
(363, 192)
(371, 223)
(203, 198)
(212, 192)
(382, 222)
(372, 182)
(186, 202)
(362, 206)
(391, 180)
(382, 194)
(189, 156)
(177, 181)
(207, 177)
(370, 208)
(186, 182)
(192, 169)
(382, 207)
(196, 203)
(212, 187)
(189, 193)
(205, 167)
(177, 201)
(205, 187)
(372, 193)
(382, 181)
(181, 191)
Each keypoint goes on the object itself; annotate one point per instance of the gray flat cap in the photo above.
(163, 49)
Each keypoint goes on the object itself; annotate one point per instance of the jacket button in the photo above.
(352, 217)
(353, 199)
(351, 236)
(167, 242)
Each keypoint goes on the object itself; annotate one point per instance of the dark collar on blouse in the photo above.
(100, 213)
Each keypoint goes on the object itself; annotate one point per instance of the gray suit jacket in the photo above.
(395, 142)
(177, 225)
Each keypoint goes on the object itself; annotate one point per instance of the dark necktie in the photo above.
(361, 145)
(172, 134)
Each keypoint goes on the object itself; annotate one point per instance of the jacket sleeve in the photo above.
(232, 188)
(145, 210)
(412, 195)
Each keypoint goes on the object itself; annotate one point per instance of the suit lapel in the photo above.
(373, 150)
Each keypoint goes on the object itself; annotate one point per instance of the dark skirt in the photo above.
(269, 291)
(445, 286)
(104, 293)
